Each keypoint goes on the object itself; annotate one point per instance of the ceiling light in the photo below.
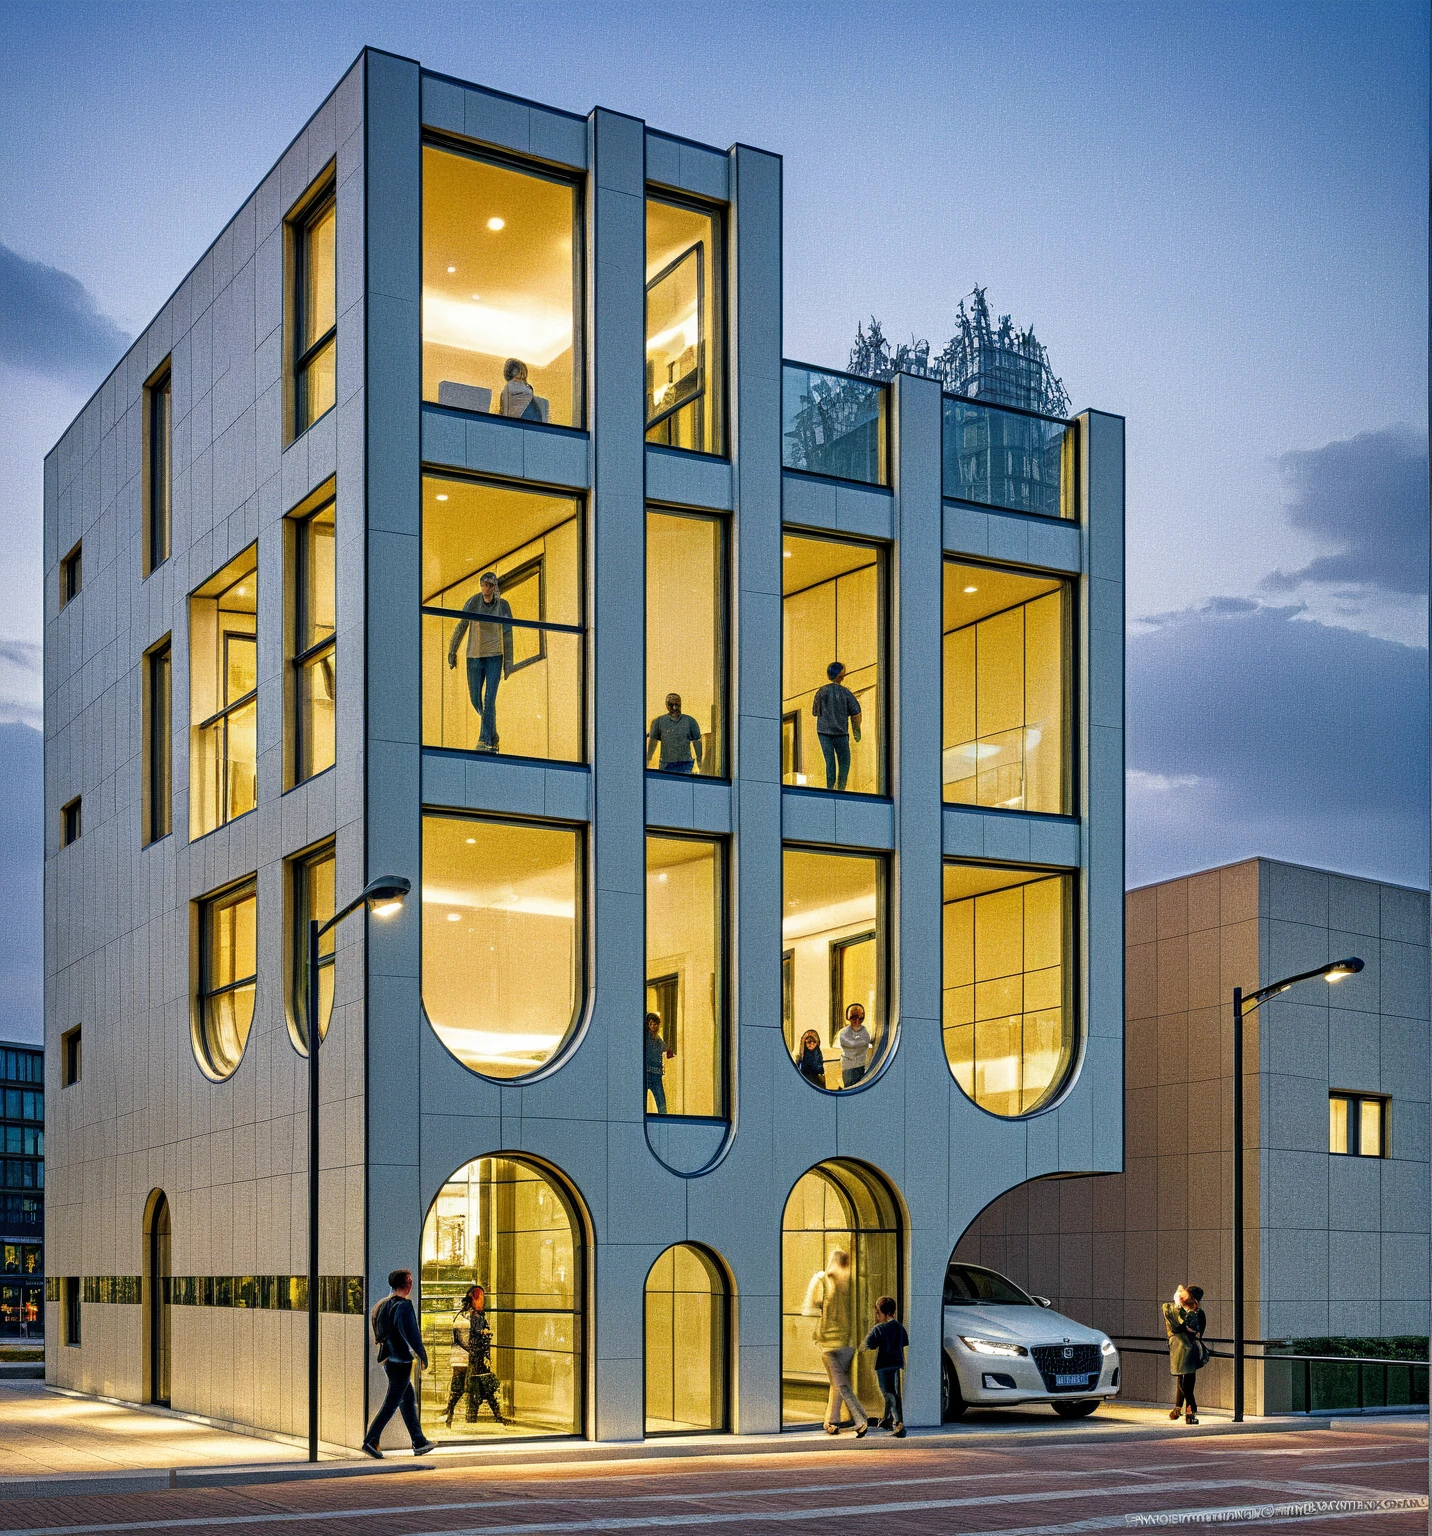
(785, 554)
(971, 589)
(471, 841)
(454, 917)
(452, 269)
(442, 496)
(495, 224)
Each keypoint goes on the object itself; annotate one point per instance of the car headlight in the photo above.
(994, 1347)
(1108, 1347)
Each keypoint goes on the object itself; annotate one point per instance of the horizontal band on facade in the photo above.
(342, 1294)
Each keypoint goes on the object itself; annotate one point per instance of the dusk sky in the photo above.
(1215, 218)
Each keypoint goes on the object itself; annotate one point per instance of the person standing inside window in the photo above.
(679, 738)
(657, 1053)
(489, 653)
(854, 1042)
(811, 1061)
(470, 1360)
(837, 718)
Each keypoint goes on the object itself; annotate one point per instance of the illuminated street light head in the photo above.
(386, 894)
(1349, 967)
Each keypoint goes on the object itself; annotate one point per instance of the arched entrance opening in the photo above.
(513, 1368)
(156, 1297)
(688, 1333)
(839, 1207)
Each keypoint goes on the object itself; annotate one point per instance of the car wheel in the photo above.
(1080, 1410)
(952, 1402)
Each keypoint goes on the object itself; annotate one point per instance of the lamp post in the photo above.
(384, 896)
(1335, 970)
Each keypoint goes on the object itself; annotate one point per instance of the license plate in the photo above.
(1082, 1380)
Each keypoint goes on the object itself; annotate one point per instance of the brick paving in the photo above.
(879, 1487)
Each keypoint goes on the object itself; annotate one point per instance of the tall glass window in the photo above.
(158, 456)
(311, 879)
(158, 747)
(501, 289)
(1008, 993)
(502, 620)
(315, 310)
(833, 664)
(314, 641)
(684, 1047)
(686, 664)
(1006, 706)
(223, 695)
(511, 1228)
(833, 965)
(685, 327)
(688, 1305)
(228, 975)
(504, 963)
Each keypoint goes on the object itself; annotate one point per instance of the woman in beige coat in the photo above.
(830, 1301)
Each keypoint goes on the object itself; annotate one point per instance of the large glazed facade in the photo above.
(452, 335)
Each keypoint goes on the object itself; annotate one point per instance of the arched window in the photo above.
(688, 1331)
(513, 1368)
(841, 1221)
(158, 1269)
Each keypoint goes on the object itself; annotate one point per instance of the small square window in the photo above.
(71, 575)
(70, 822)
(70, 1057)
(1358, 1124)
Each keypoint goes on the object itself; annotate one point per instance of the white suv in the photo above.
(1004, 1347)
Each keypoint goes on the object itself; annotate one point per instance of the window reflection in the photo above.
(503, 959)
(315, 643)
(502, 620)
(684, 1048)
(506, 1226)
(686, 643)
(501, 290)
(228, 967)
(687, 1332)
(311, 899)
(223, 695)
(685, 321)
(833, 664)
(833, 965)
(1006, 735)
(1008, 1012)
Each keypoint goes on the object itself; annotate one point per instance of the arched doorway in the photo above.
(688, 1332)
(156, 1297)
(846, 1207)
(514, 1227)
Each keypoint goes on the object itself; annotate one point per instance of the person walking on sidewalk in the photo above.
(400, 1346)
(889, 1340)
(1185, 1324)
(828, 1300)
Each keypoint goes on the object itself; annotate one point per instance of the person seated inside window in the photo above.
(517, 398)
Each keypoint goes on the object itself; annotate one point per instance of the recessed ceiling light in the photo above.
(971, 589)
(785, 554)
(477, 297)
(454, 917)
(442, 496)
(452, 269)
(471, 842)
(495, 224)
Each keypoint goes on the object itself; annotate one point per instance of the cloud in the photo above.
(1252, 730)
(22, 866)
(1367, 497)
(21, 683)
(49, 324)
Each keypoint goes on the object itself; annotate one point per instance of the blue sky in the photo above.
(1215, 216)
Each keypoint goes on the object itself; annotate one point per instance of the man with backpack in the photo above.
(400, 1344)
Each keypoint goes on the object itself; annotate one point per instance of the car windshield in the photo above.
(970, 1287)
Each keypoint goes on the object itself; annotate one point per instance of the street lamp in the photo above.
(383, 897)
(1335, 970)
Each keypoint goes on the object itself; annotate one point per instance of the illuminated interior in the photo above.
(316, 377)
(686, 627)
(511, 1227)
(533, 542)
(500, 282)
(1008, 1013)
(687, 1343)
(832, 952)
(685, 971)
(228, 976)
(311, 896)
(502, 939)
(315, 643)
(1006, 696)
(832, 610)
(223, 696)
(685, 319)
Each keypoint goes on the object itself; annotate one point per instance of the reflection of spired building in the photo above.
(452, 337)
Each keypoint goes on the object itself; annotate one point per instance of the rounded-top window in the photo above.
(503, 961)
(228, 976)
(1008, 1003)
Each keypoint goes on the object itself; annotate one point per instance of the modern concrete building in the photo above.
(1336, 1127)
(597, 1067)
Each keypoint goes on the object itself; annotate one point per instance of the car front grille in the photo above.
(1056, 1360)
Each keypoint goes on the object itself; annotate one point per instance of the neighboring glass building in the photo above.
(759, 779)
(22, 1191)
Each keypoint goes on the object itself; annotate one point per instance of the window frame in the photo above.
(71, 821)
(71, 1325)
(1355, 1099)
(222, 714)
(72, 574)
(454, 145)
(728, 1341)
(157, 808)
(316, 201)
(297, 871)
(158, 445)
(202, 993)
(71, 1057)
(301, 521)
(1072, 682)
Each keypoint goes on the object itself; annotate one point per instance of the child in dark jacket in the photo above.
(888, 1339)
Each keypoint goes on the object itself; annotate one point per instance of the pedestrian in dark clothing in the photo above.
(655, 1055)
(470, 1360)
(889, 1341)
(837, 716)
(400, 1344)
(811, 1061)
(1185, 1324)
